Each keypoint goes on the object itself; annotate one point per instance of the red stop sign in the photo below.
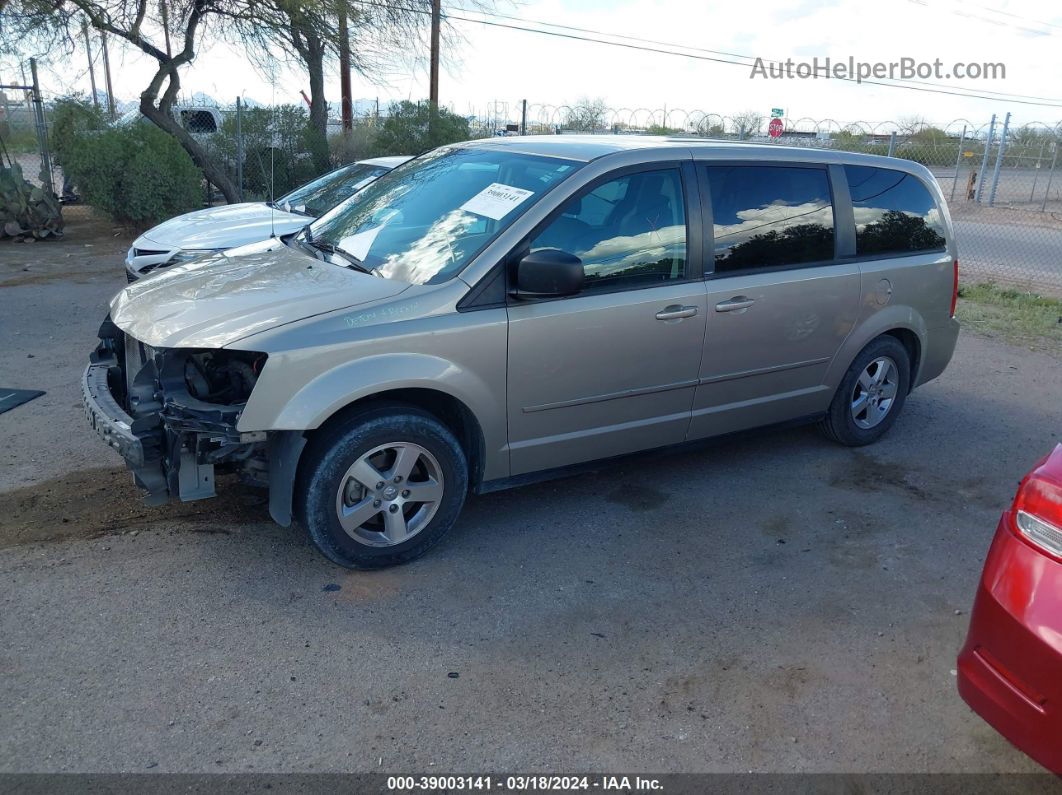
(775, 128)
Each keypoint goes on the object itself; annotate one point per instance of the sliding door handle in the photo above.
(676, 311)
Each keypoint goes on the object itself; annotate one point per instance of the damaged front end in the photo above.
(172, 413)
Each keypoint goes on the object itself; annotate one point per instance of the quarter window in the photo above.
(894, 212)
(628, 231)
(770, 216)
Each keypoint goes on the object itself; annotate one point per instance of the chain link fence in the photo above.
(20, 141)
(1003, 182)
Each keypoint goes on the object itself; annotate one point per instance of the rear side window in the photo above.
(894, 212)
(770, 216)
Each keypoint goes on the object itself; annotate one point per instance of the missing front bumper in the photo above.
(139, 442)
(137, 400)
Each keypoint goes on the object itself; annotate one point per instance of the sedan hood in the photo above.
(216, 300)
(221, 227)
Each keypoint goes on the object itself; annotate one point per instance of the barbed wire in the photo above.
(591, 118)
(1004, 196)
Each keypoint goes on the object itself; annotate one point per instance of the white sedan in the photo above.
(201, 232)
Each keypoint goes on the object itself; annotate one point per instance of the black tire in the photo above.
(336, 448)
(839, 423)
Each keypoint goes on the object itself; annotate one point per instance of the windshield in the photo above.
(425, 220)
(317, 197)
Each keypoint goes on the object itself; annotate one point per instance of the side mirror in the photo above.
(548, 273)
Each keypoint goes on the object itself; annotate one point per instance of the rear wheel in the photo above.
(870, 395)
(382, 487)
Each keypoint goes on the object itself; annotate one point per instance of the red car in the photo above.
(1010, 670)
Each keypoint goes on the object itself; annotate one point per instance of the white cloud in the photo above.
(773, 218)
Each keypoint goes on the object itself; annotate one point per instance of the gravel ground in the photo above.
(771, 602)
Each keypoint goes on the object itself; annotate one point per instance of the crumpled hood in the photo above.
(221, 227)
(215, 300)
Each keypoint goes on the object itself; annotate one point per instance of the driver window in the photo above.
(629, 231)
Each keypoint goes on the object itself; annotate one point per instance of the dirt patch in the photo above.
(91, 247)
(370, 586)
(85, 271)
(95, 502)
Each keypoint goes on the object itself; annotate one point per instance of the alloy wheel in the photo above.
(389, 494)
(874, 393)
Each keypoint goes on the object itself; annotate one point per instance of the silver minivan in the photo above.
(505, 310)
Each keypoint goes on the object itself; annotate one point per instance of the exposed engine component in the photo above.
(225, 377)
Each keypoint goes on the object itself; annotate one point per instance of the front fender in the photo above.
(321, 397)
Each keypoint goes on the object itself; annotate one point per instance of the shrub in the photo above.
(358, 144)
(138, 174)
(71, 117)
(406, 130)
(278, 148)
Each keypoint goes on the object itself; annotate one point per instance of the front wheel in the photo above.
(382, 487)
(871, 394)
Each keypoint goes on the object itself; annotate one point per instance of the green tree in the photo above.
(51, 27)
(380, 33)
(409, 129)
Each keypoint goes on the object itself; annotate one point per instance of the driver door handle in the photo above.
(735, 303)
(676, 311)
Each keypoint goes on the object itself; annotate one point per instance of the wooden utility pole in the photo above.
(107, 75)
(92, 70)
(433, 88)
(346, 102)
(165, 26)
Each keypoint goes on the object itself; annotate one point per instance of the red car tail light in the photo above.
(1037, 509)
(954, 286)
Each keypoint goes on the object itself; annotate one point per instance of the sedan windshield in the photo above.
(425, 220)
(324, 193)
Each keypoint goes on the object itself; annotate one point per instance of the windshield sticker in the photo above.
(496, 200)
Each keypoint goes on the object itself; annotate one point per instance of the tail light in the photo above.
(1037, 509)
(954, 286)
